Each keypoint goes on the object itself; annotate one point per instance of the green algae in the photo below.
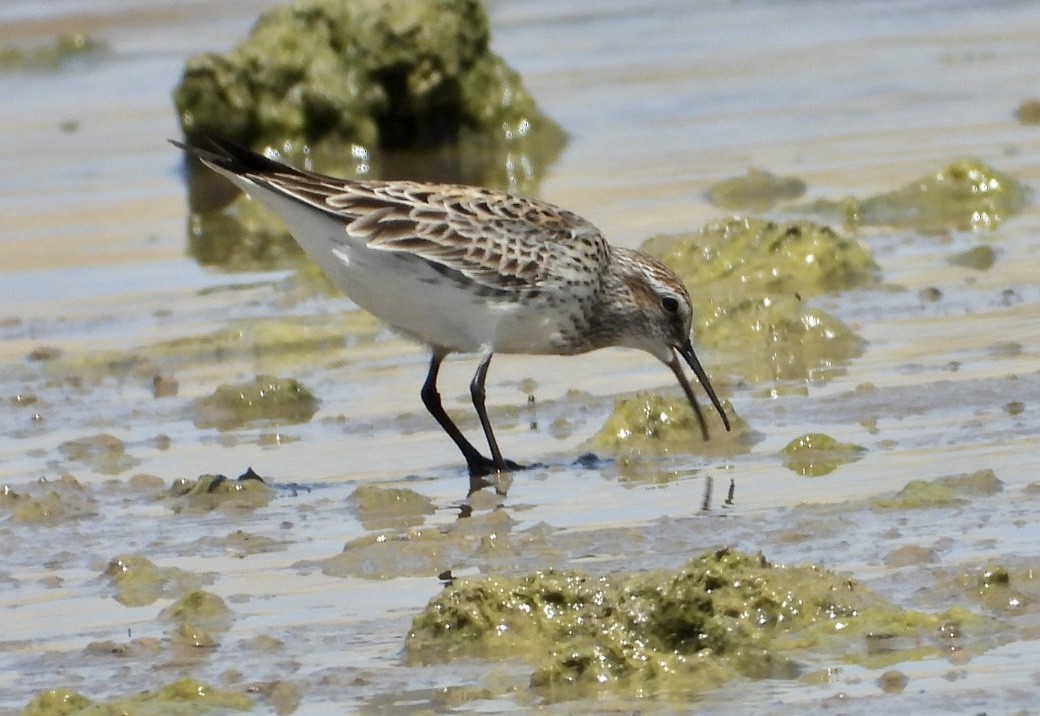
(198, 607)
(816, 454)
(749, 278)
(198, 618)
(265, 398)
(426, 551)
(653, 424)
(1005, 591)
(748, 255)
(241, 543)
(941, 492)
(385, 507)
(390, 555)
(213, 492)
(1028, 112)
(57, 55)
(184, 697)
(138, 581)
(722, 615)
(965, 195)
(56, 702)
(270, 344)
(49, 502)
(757, 191)
(103, 453)
(319, 75)
(979, 258)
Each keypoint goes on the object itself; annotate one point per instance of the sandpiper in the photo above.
(471, 270)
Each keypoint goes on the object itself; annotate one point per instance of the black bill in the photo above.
(686, 351)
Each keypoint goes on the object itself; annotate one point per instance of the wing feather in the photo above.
(500, 240)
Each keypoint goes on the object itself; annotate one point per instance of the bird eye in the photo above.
(670, 304)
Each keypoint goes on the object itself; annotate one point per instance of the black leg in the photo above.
(477, 465)
(476, 390)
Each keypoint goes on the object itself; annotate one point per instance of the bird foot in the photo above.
(481, 467)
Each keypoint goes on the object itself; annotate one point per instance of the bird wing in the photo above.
(502, 241)
(499, 240)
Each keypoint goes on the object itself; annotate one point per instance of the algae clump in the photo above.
(722, 615)
(49, 502)
(757, 191)
(211, 492)
(139, 582)
(265, 398)
(979, 258)
(56, 702)
(179, 698)
(941, 492)
(651, 424)
(816, 454)
(377, 73)
(965, 195)
(104, 453)
(751, 276)
(384, 507)
(1028, 112)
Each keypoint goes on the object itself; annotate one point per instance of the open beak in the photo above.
(686, 351)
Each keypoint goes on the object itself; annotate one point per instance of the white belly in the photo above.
(409, 295)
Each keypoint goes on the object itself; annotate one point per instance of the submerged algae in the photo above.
(722, 615)
(751, 276)
(385, 507)
(178, 698)
(53, 56)
(940, 492)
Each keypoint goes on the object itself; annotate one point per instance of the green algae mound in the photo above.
(138, 581)
(320, 78)
(385, 507)
(941, 492)
(216, 492)
(724, 614)
(179, 698)
(1028, 112)
(816, 454)
(48, 502)
(965, 195)
(265, 398)
(757, 191)
(748, 278)
(652, 424)
(103, 453)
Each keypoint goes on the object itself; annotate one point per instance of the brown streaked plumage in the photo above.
(472, 270)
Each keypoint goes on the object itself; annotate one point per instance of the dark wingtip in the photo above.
(229, 155)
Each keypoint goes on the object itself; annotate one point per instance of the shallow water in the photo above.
(661, 100)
